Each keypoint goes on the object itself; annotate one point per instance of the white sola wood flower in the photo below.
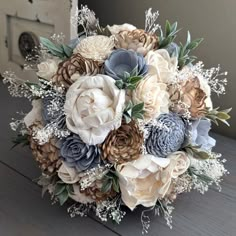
(96, 47)
(154, 95)
(163, 65)
(147, 179)
(94, 107)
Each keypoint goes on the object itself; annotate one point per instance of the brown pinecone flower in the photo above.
(46, 155)
(76, 64)
(137, 40)
(94, 191)
(190, 94)
(124, 144)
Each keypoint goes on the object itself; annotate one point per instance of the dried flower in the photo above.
(76, 153)
(94, 107)
(137, 40)
(122, 62)
(76, 64)
(115, 29)
(163, 65)
(166, 138)
(123, 144)
(189, 93)
(97, 48)
(153, 94)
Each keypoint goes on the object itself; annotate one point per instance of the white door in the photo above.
(23, 21)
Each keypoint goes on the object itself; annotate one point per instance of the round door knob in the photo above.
(27, 42)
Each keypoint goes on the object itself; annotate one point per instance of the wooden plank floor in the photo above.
(24, 213)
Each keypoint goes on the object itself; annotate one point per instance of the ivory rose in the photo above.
(93, 107)
(48, 68)
(162, 64)
(153, 94)
(179, 163)
(147, 179)
(67, 174)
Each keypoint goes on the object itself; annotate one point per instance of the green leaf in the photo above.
(196, 152)
(103, 31)
(106, 186)
(59, 189)
(63, 197)
(135, 79)
(167, 28)
(67, 50)
(119, 84)
(115, 185)
(138, 108)
(214, 115)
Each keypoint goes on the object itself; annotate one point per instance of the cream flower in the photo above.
(141, 181)
(96, 47)
(147, 179)
(179, 163)
(207, 90)
(115, 29)
(154, 95)
(80, 197)
(68, 175)
(94, 107)
(48, 68)
(35, 114)
(162, 64)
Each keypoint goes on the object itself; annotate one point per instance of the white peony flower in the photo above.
(162, 64)
(147, 179)
(96, 47)
(94, 107)
(35, 114)
(154, 95)
(48, 68)
(115, 29)
(141, 181)
(68, 175)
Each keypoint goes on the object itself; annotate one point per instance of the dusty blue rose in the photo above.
(78, 154)
(58, 116)
(123, 61)
(199, 134)
(167, 136)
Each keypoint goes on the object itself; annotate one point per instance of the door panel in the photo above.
(23, 21)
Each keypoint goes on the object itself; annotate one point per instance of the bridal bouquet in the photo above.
(120, 117)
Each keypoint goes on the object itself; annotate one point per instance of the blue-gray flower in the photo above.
(122, 62)
(166, 136)
(78, 154)
(199, 134)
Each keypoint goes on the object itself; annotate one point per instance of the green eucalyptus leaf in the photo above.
(63, 197)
